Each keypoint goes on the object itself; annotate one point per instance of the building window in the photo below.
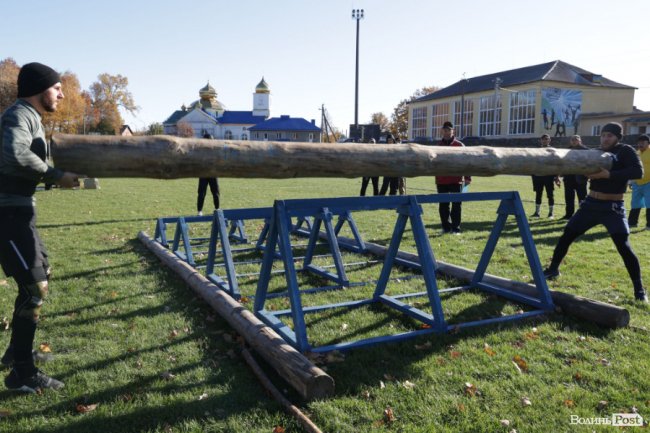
(419, 123)
(278, 135)
(522, 113)
(228, 135)
(266, 136)
(595, 130)
(489, 118)
(295, 136)
(439, 115)
(466, 114)
(244, 137)
(311, 137)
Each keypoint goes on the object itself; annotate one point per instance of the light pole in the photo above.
(357, 14)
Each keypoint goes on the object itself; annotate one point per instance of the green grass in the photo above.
(117, 321)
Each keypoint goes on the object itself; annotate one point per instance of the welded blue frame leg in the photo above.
(347, 217)
(428, 264)
(232, 286)
(391, 253)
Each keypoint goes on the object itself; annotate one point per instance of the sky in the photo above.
(305, 50)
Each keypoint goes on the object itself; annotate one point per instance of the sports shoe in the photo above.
(200, 213)
(455, 232)
(8, 358)
(551, 274)
(641, 296)
(550, 215)
(535, 215)
(33, 384)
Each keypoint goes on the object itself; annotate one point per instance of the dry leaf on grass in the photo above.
(85, 408)
(4, 414)
(569, 403)
(525, 402)
(408, 385)
(167, 375)
(203, 396)
(389, 415)
(424, 346)
(279, 429)
(45, 348)
(454, 354)
(488, 350)
(173, 334)
(334, 356)
(471, 390)
(602, 404)
(5, 324)
(520, 364)
(505, 422)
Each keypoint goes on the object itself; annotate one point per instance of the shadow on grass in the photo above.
(92, 223)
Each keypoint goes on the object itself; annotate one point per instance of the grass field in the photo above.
(140, 353)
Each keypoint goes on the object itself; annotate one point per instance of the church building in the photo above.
(208, 115)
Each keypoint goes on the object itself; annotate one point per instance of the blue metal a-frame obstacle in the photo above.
(408, 208)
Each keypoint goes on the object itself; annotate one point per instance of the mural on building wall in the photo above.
(561, 110)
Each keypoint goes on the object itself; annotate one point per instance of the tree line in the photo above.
(398, 123)
(95, 110)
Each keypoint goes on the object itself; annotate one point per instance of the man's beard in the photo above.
(49, 106)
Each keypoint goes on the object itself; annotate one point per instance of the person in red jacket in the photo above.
(446, 184)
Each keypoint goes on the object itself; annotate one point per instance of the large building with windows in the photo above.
(554, 98)
(208, 115)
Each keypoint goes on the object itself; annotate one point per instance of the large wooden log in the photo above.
(169, 157)
(310, 381)
(590, 310)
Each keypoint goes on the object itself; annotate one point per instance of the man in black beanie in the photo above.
(23, 155)
(604, 205)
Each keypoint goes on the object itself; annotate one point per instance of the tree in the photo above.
(155, 129)
(184, 129)
(69, 116)
(8, 82)
(108, 94)
(380, 119)
(400, 117)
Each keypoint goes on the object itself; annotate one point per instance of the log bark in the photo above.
(310, 381)
(169, 157)
(590, 310)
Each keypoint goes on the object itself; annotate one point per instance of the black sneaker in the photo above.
(641, 296)
(8, 358)
(535, 215)
(551, 274)
(32, 384)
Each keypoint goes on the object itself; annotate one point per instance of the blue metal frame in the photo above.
(409, 210)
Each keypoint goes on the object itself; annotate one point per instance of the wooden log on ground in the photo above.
(590, 310)
(170, 157)
(310, 381)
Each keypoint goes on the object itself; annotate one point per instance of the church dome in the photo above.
(208, 100)
(208, 92)
(262, 87)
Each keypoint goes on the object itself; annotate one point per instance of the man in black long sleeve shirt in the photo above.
(604, 205)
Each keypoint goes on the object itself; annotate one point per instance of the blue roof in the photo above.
(240, 117)
(175, 117)
(551, 71)
(285, 123)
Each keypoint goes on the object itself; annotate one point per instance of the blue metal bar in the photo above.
(490, 246)
(233, 286)
(393, 247)
(407, 309)
(427, 263)
(283, 223)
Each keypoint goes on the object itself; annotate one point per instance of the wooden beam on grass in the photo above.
(310, 381)
(170, 157)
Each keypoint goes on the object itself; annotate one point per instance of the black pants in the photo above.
(24, 258)
(611, 214)
(364, 185)
(573, 187)
(450, 219)
(541, 183)
(389, 184)
(203, 189)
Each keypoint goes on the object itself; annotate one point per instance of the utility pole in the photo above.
(357, 14)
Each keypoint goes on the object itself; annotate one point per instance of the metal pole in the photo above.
(357, 14)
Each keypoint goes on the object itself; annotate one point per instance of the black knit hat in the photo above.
(35, 78)
(614, 128)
